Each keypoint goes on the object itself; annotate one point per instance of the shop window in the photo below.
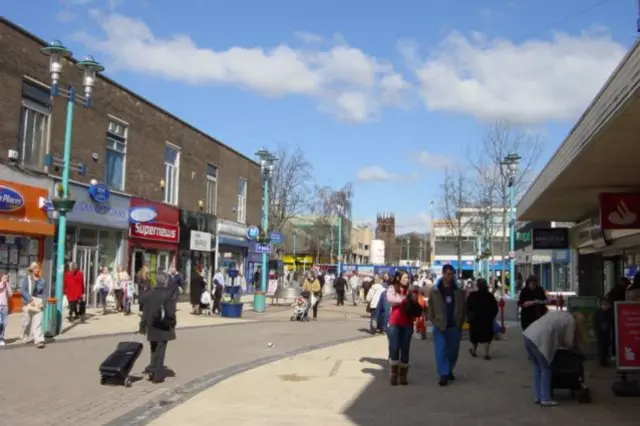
(34, 125)
(116, 150)
(212, 189)
(16, 254)
(242, 200)
(171, 173)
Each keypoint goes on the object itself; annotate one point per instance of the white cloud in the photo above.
(374, 174)
(534, 81)
(309, 37)
(432, 161)
(419, 222)
(342, 79)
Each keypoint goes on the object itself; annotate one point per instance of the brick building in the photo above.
(136, 149)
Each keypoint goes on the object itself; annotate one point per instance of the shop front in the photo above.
(197, 244)
(232, 245)
(25, 232)
(154, 236)
(96, 232)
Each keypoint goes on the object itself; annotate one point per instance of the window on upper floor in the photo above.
(115, 155)
(212, 189)
(171, 173)
(242, 200)
(34, 125)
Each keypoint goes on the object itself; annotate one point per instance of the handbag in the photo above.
(36, 304)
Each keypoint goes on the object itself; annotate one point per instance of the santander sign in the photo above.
(155, 232)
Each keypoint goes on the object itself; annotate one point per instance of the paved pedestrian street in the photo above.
(60, 384)
(347, 385)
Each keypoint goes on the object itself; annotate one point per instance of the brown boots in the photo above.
(398, 374)
(403, 372)
(393, 374)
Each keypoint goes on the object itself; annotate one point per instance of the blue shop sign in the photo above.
(111, 213)
(253, 232)
(99, 192)
(261, 248)
(10, 200)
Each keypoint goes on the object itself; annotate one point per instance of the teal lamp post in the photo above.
(267, 161)
(62, 202)
(510, 165)
(340, 211)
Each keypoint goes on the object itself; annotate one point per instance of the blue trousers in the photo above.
(447, 346)
(541, 372)
(399, 343)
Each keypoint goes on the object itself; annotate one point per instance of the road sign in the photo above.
(276, 238)
(262, 248)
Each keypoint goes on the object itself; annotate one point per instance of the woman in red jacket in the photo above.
(400, 329)
(73, 289)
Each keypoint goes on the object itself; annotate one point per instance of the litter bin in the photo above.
(50, 318)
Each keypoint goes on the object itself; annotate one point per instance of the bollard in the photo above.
(560, 302)
(50, 327)
(501, 304)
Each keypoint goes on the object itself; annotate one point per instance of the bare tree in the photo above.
(457, 196)
(290, 188)
(328, 204)
(501, 139)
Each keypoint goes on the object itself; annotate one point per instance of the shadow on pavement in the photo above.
(496, 392)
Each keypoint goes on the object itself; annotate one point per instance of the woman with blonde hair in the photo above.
(32, 289)
(143, 284)
(554, 330)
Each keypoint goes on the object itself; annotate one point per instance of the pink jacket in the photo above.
(5, 294)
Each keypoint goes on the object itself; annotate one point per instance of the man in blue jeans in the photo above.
(446, 311)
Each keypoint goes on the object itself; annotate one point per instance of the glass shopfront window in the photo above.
(17, 252)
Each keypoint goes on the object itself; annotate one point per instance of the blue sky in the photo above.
(379, 93)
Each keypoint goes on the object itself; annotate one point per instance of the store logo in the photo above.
(99, 192)
(252, 233)
(142, 214)
(621, 216)
(10, 200)
(158, 232)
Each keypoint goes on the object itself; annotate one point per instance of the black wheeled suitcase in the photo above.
(117, 367)
(567, 371)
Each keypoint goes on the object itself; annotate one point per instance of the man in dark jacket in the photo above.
(158, 322)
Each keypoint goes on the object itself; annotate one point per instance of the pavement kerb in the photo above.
(150, 411)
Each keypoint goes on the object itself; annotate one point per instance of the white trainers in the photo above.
(2, 343)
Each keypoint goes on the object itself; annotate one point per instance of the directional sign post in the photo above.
(276, 237)
(262, 248)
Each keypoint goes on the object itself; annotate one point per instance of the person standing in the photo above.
(482, 309)
(446, 311)
(5, 297)
(532, 302)
(340, 285)
(373, 299)
(103, 286)
(32, 290)
(175, 280)
(158, 322)
(143, 283)
(73, 289)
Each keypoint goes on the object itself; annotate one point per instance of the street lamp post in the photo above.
(63, 204)
(339, 264)
(409, 251)
(510, 163)
(267, 161)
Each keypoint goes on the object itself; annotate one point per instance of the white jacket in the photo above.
(554, 330)
(374, 294)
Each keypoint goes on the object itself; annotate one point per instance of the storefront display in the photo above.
(232, 245)
(197, 241)
(627, 336)
(97, 228)
(25, 232)
(154, 236)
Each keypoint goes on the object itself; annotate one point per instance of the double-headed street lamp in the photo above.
(267, 162)
(63, 203)
(340, 211)
(510, 169)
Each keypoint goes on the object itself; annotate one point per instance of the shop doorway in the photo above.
(156, 261)
(87, 261)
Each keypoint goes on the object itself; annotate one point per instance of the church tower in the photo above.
(386, 231)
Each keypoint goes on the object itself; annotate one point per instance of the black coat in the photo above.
(159, 297)
(340, 284)
(482, 309)
(531, 313)
(198, 285)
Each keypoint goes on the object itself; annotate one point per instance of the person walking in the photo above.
(5, 297)
(103, 286)
(175, 280)
(354, 286)
(446, 311)
(340, 285)
(73, 289)
(400, 329)
(373, 299)
(482, 309)
(313, 289)
(532, 302)
(158, 323)
(32, 290)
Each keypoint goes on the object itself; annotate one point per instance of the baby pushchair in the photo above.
(568, 374)
(301, 309)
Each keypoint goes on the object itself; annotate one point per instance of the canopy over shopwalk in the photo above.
(601, 154)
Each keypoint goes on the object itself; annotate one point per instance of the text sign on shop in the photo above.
(627, 336)
(262, 248)
(200, 241)
(155, 232)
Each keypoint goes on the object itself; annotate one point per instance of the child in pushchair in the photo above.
(300, 309)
